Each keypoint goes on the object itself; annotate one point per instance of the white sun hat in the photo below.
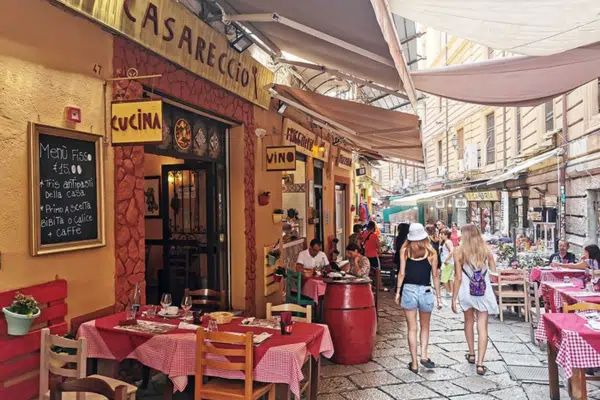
(416, 232)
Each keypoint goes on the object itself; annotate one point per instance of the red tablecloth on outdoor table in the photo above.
(565, 294)
(552, 293)
(554, 275)
(313, 288)
(277, 360)
(578, 346)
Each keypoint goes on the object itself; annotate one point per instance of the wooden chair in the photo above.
(580, 307)
(293, 292)
(59, 364)
(206, 299)
(306, 311)
(535, 310)
(225, 389)
(512, 286)
(87, 385)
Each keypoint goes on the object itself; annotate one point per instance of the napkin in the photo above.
(190, 327)
(258, 339)
(594, 324)
(247, 321)
(582, 294)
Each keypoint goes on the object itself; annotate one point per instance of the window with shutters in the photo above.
(490, 140)
(549, 113)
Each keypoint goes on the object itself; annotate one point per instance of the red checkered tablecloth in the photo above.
(555, 275)
(578, 346)
(551, 291)
(314, 288)
(174, 353)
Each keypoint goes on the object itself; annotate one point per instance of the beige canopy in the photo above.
(391, 134)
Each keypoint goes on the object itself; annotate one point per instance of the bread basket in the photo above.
(221, 317)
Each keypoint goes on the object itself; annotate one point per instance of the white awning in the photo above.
(514, 172)
(531, 27)
(427, 196)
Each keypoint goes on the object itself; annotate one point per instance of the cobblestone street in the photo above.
(387, 377)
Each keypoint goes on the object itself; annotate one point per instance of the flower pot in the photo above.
(263, 200)
(277, 278)
(277, 218)
(271, 260)
(18, 324)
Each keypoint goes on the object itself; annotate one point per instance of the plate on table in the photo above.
(163, 314)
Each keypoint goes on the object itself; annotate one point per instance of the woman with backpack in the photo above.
(418, 263)
(400, 239)
(473, 291)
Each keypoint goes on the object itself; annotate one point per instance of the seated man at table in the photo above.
(563, 256)
(590, 260)
(359, 264)
(312, 257)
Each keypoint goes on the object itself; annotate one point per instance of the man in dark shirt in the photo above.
(563, 255)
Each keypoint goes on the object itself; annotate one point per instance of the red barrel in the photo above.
(349, 311)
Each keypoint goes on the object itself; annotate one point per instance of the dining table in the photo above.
(551, 274)
(552, 292)
(169, 346)
(572, 344)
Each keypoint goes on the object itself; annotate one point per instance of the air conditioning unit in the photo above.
(441, 171)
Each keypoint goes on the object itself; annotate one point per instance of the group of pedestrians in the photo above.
(461, 261)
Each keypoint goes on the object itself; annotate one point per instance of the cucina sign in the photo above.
(304, 140)
(169, 29)
(344, 160)
(136, 122)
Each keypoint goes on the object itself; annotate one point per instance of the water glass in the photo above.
(166, 300)
(213, 326)
(130, 313)
(567, 279)
(151, 311)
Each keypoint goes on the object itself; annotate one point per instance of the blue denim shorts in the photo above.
(417, 297)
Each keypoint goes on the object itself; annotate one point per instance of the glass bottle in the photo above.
(136, 298)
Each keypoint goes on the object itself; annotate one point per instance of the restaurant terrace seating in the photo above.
(535, 310)
(86, 385)
(207, 355)
(69, 366)
(293, 293)
(512, 291)
(579, 307)
(294, 308)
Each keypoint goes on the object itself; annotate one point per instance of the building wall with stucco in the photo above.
(40, 75)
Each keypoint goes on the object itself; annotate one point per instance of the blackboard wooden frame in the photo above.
(36, 246)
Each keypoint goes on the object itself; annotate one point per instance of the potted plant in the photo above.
(277, 215)
(279, 273)
(20, 314)
(273, 256)
(263, 198)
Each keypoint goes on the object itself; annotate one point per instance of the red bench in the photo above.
(20, 355)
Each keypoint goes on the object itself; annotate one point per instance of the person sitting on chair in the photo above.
(563, 256)
(312, 257)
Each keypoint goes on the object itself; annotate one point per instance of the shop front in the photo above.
(485, 211)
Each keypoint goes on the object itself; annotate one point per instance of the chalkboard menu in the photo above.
(66, 183)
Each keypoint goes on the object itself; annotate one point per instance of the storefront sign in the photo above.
(460, 203)
(306, 142)
(137, 122)
(66, 190)
(281, 158)
(551, 201)
(361, 171)
(344, 160)
(534, 215)
(483, 196)
(441, 203)
(169, 29)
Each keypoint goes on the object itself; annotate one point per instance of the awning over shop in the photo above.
(352, 36)
(384, 132)
(514, 172)
(513, 81)
(414, 199)
(532, 27)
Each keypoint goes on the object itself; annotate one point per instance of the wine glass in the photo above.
(165, 301)
(186, 305)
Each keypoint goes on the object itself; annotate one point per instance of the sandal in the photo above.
(410, 368)
(481, 370)
(428, 363)
(470, 358)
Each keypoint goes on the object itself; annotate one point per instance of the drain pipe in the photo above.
(504, 163)
(562, 221)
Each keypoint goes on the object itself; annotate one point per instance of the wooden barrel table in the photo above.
(349, 311)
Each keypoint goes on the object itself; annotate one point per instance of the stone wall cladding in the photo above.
(198, 92)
